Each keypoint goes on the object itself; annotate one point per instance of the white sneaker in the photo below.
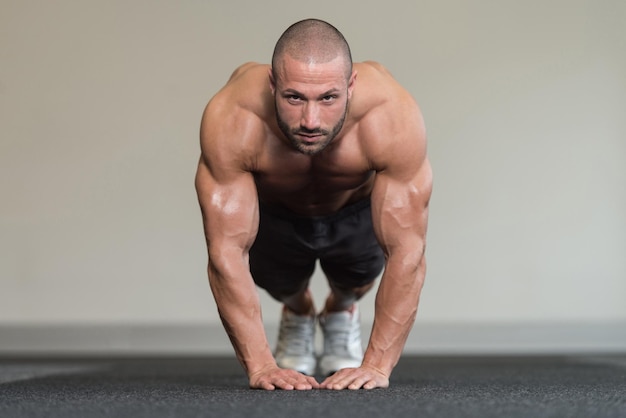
(342, 340)
(296, 343)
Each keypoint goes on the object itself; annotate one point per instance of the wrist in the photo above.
(260, 369)
(254, 362)
(379, 363)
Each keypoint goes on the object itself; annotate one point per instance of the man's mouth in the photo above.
(310, 135)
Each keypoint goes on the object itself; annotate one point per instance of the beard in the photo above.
(313, 147)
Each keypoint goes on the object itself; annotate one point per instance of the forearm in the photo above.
(240, 311)
(395, 311)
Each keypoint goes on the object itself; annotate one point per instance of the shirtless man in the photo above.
(304, 161)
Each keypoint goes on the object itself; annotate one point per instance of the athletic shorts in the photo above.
(287, 246)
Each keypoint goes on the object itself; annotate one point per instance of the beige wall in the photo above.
(100, 103)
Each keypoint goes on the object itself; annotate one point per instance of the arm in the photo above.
(400, 215)
(228, 200)
(229, 213)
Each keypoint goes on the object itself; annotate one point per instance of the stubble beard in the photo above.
(315, 147)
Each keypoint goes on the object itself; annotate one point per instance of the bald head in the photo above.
(312, 41)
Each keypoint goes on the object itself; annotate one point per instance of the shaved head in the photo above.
(312, 41)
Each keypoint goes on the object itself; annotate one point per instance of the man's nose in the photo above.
(310, 116)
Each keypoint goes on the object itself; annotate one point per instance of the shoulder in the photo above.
(389, 121)
(235, 119)
(246, 89)
(380, 101)
(378, 82)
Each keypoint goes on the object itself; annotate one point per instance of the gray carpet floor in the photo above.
(421, 386)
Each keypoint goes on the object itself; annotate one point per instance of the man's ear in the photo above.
(270, 73)
(351, 83)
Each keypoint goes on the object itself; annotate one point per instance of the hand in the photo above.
(353, 379)
(274, 377)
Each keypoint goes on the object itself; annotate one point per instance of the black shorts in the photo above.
(287, 247)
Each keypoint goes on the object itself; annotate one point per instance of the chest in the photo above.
(288, 172)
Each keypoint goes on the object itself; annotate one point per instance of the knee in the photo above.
(286, 293)
(355, 292)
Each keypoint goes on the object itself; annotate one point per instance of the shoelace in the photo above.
(339, 338)
(295, 337)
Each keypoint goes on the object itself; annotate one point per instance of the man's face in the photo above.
(311, 101)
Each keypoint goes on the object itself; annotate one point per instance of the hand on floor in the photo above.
(361, 377)
(276, 378)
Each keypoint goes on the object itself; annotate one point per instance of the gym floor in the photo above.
(421, 386)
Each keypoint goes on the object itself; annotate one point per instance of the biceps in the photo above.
(229, 210)
(400, 212)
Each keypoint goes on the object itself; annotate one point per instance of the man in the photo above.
(301, 162)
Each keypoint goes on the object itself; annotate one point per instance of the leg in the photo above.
(351, 264)
(353, 260)
(280, 264)
(295, 348)
(349, 280)
(298, 301)
(341, 325)
(342, 298)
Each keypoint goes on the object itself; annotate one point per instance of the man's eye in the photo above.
(329, 98)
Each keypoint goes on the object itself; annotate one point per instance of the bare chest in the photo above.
(312, 185)
(288, 179)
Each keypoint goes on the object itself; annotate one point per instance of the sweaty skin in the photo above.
(380, 152)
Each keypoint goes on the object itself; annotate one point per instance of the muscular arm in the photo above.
(229, 211)
(228, 200)
(400, 214)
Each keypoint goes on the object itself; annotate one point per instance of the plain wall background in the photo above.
(100, 104)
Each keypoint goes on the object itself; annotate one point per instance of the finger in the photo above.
(303, 382)
(359, 383)
(314, 383)
(338, 381)
(283, 384)
(298, 381)
(268, 386)
(306, 385)
(334, 376)
(371, 385)
(377, 382)
(354, 379)
(303, 386)
(328, 382)
(263, 384)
